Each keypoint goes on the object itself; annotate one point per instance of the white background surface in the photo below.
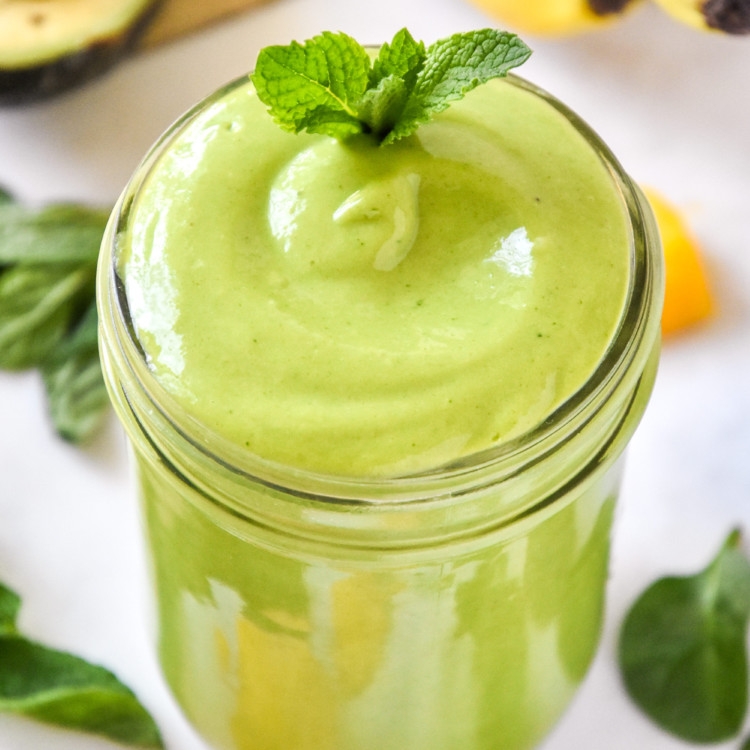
(674, 105)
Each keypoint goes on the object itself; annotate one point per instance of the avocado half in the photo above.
(49, 46)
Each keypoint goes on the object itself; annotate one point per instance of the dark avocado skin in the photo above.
(39, 82)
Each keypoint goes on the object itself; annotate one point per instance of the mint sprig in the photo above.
(48, 319)
(329, 85)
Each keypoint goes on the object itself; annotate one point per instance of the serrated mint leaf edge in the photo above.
(435, 91)
(326, 83)
(404, 56)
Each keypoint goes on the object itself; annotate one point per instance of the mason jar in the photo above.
(454, 609)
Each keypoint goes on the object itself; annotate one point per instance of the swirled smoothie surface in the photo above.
(368, 311)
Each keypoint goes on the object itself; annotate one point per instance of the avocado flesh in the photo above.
(47, 46)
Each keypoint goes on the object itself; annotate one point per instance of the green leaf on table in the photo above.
(61, 233)
(683, 653)
(59, 688)
(10, 603)
(47, 306)
(76, 394)
(37, 305)
(329, 86)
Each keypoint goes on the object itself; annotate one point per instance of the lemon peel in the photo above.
(687, 297)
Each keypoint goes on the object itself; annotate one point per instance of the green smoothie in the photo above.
(366, 311)
(373, 319)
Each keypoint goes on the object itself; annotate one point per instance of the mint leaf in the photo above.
(37, 306)
(402, 58)
(314, 86)
(59, 688)
(682, 649)
(381, 106)
(10, 603)
(55, 234)
(47, 309)
(76, 394)
(455, 66)
(392, 79)
(328, 86)
(62, 689)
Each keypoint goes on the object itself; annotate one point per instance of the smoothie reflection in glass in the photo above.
(378, 399)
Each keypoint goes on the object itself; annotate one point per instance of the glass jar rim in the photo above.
(625, 354)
